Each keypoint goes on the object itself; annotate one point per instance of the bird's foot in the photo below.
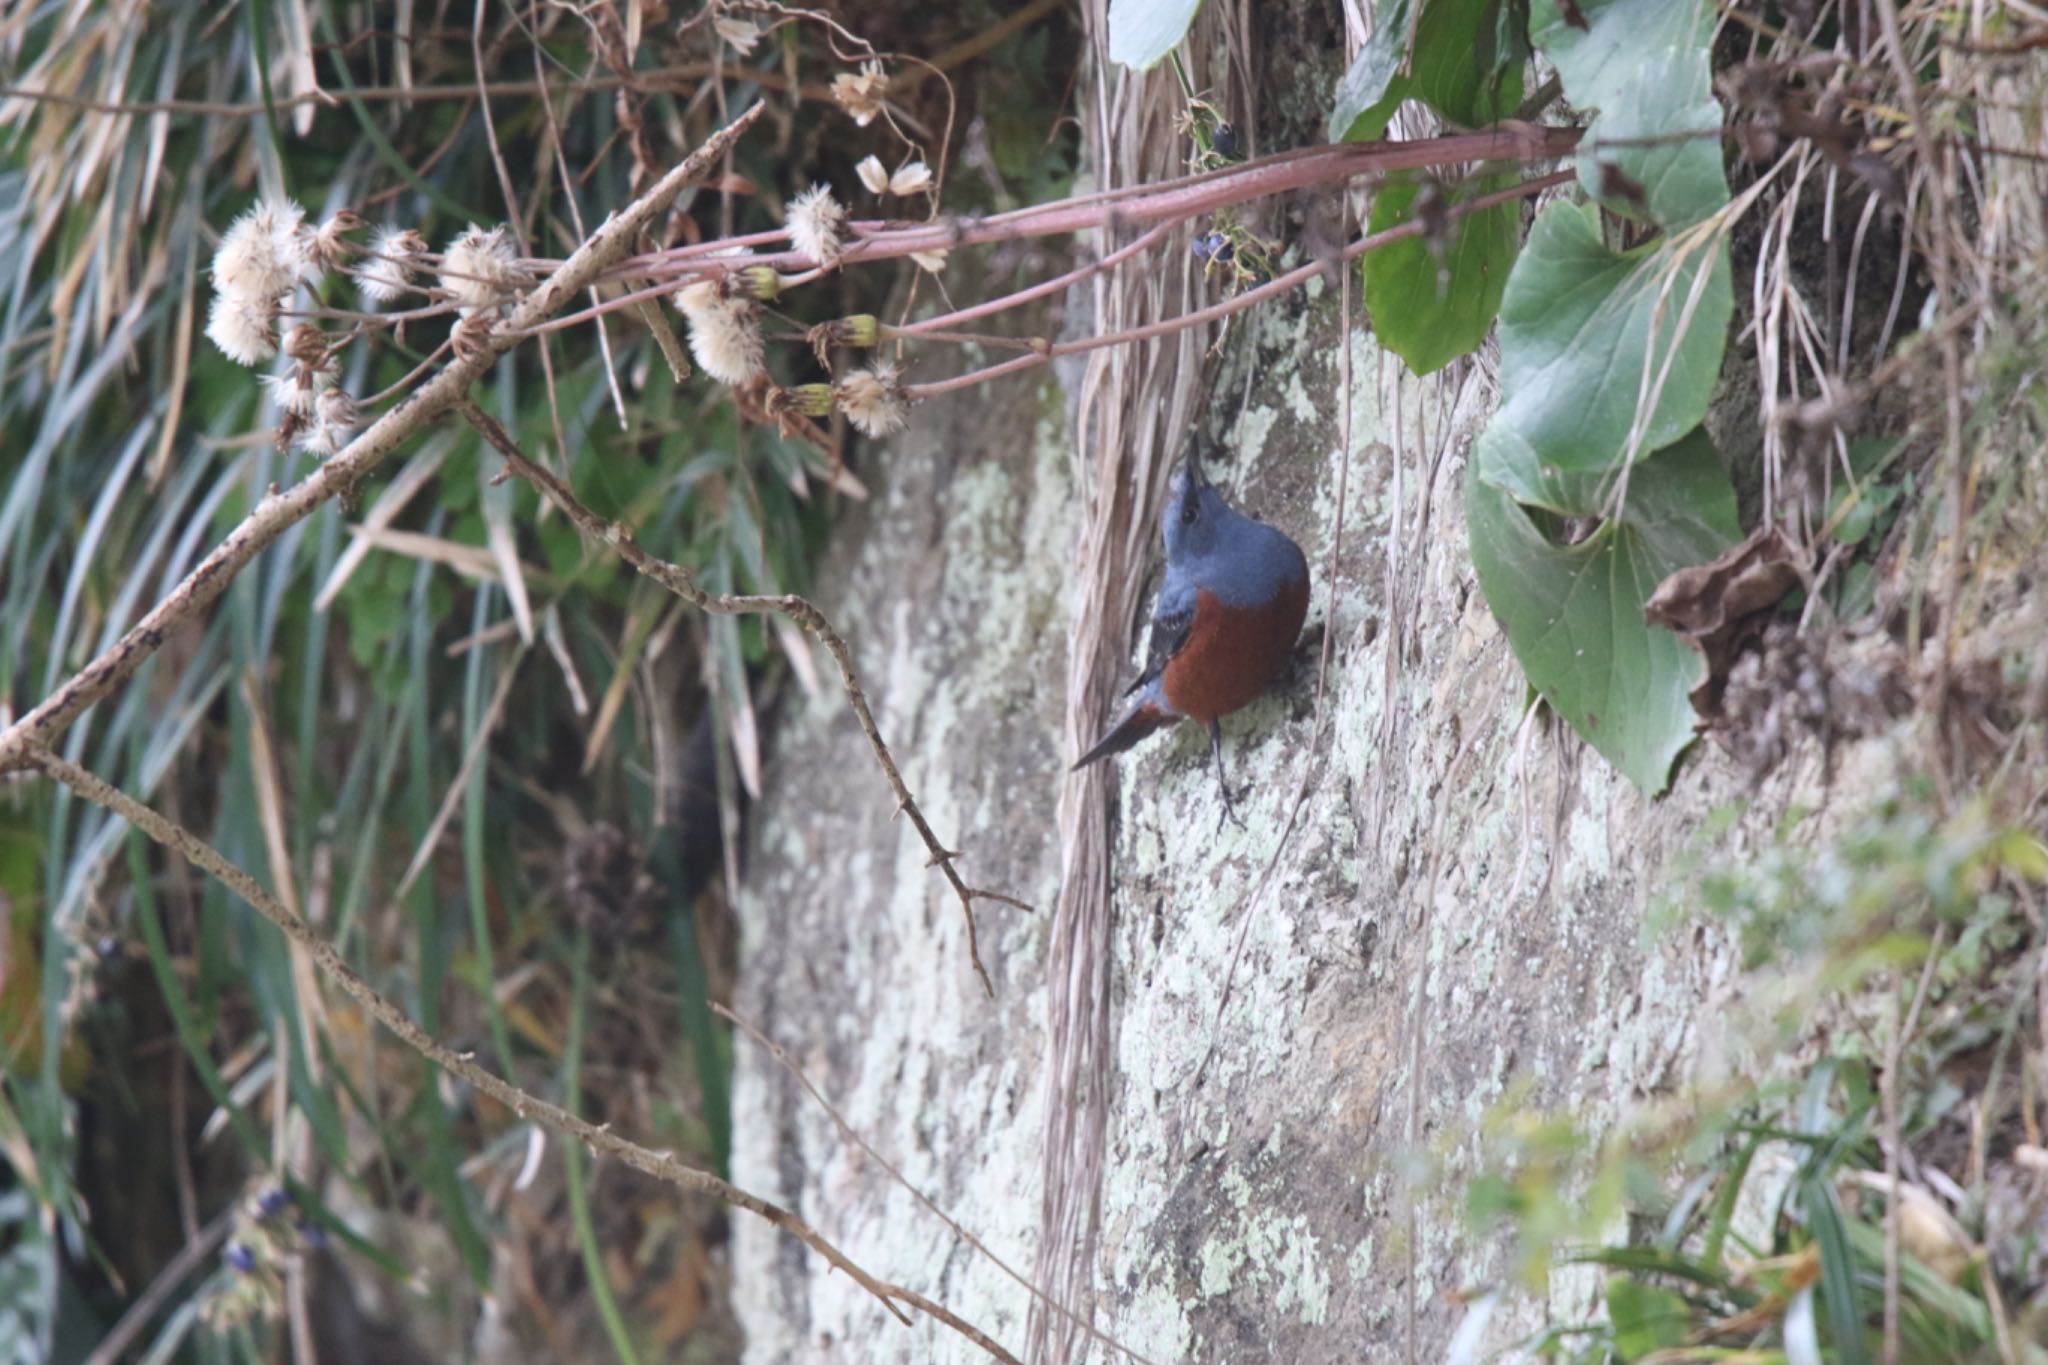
(1222, 777)
(1229, 813)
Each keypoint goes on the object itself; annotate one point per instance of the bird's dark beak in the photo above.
(1193, 461)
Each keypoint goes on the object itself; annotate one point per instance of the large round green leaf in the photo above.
(1466, 64)
(1142, 32)
(1574, 613)
(1433, 302)
(1654, 151)
(1585, 334)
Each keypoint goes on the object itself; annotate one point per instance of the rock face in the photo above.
(1454, 913)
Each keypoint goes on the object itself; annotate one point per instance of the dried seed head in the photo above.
(260, 255)
(861, 94)
(480, 270)
(725, 336)
(816, 221)
(741, 35)
(913, 177)
(243, 326)
(395, 255)
(307, 344)
(327, 249)
(872, 399)
(873, 174)
(857, 331)
(471, 336)
(297, 390)
(334, 421)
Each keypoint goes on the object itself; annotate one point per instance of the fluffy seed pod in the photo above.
(263, 253)
(816, 223)
(480, 270)
(725, 335)
(872, 399)
(395, 256)
(243, 326)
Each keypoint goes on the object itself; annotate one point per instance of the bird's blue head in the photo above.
(1195, 512)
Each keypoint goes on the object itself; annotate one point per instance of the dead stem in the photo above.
(599, 1138)
(1281, 284)
(847, 1131)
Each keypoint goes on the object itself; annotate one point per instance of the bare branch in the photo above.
(847, 1131)
(276, 512)
(599, 1138)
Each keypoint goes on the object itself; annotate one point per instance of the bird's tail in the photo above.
(1139, 722)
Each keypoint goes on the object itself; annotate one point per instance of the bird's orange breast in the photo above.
(1232, 653)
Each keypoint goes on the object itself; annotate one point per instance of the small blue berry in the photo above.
(240, 1257)
(273, 1202)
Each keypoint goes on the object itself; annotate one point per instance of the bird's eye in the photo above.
(1190, 510)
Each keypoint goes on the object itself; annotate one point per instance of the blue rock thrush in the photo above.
(1228, 614)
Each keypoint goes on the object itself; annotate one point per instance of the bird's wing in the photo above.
(1172, 618)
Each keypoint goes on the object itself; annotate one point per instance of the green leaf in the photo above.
(1823, 1214)
(1645, 1317)
(1467, 64)
(1585, 333)
(1375, 85)
(1142, 32)
(1574, 613)
(1430, 310)
(1468, 60)
(1644, 65)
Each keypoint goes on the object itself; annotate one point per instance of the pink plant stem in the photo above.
(1168, 200)
(1196, 195)
(1036, 291)
(1271, 289)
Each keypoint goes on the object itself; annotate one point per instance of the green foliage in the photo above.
(1142, 32)
(1465, 62)
(1867, 901)
(1606, 358)
(1645, 1317)
(1757, 1206)
(1587, 335)
(1433, 300)
(1653, 151)
(341, 687)
(1573, 612)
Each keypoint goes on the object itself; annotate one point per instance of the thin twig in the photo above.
(276, 511)
(1281, 284)
(1132, 206)
(683, 584)
(850, 1134)
(1162, 205)
(671, 80)
(190, 1257)
(599, 1138)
